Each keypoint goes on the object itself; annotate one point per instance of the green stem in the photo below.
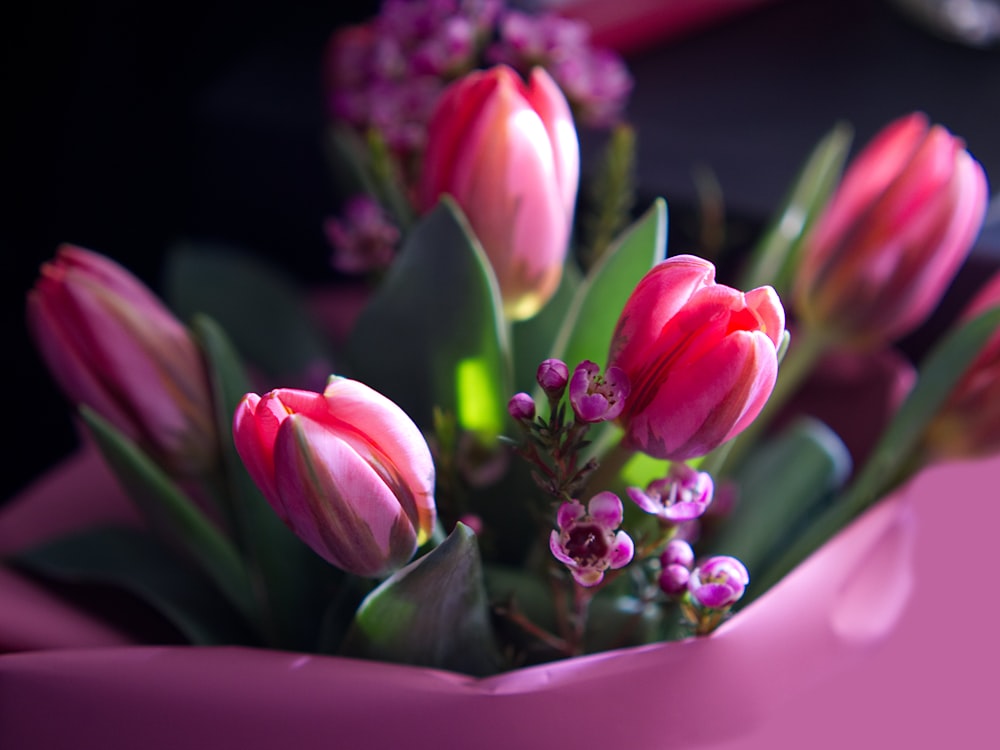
(805, 351)
(611, 465)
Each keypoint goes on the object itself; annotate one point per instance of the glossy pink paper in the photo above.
(817, 622)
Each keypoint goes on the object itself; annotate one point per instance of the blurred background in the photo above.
(128, 127)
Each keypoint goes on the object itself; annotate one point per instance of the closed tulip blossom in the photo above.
(893, 236)
(968, 425)
(114, 347)
(347, 470)
(586, 541)
(701, 358)
(507, 152)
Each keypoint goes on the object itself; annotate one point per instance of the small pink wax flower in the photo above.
(701, 358)
(683, 495)
(719, 582)
(347, 470)
(586, 541)
(595, 397)
(893, 236)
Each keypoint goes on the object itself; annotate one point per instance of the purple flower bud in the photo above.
(678, 552)
(552, 375)
(719, 582)
(597, 398)
(586, 541)
(674, 580)
(521, 407)
(683, 495)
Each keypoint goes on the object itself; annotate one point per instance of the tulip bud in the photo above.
(701, 358)
(968, 425)
(113, 346)
(347, 470)
(507, 152)
(893, 236)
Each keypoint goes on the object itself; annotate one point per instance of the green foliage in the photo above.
(260, 308)
(136, 561)
(432, 613)
(775, 256)
(434, 335)
(172, 515)
(590, 321)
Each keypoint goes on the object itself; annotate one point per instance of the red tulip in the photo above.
(701, 358)
(347, 470)
(969, 423)
(112, 345)
(507, 152)
(893, 236)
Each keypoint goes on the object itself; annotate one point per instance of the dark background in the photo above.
(129, 126)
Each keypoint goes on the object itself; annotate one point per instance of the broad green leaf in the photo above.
(775, 256)
(171, 514)
(432, 613)
(137, 562)
(259, 307)
(897, 455)
(291, 583)
(434, 333)
(784, 483)
(591, 319)
(533, 339)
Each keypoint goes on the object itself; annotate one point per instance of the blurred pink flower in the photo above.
(113, 346)
(893, 236)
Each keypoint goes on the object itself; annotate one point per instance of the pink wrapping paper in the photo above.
(821, 620)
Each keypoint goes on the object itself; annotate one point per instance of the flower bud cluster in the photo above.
(554, 443)
(707, 591)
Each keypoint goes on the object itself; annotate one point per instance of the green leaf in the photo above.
(257, 304)
(171, 514)
(434, 332)
(432, 613)
(783, 484)
(591, 319)
(137, 562)
(292, 584)
(897, 454)
(533, 339)
(775, 256)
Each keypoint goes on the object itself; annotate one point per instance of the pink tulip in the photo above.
(347, 470)
(113, 346)
(893, 236)
(507, 152)
(701, 358)
(969, 423)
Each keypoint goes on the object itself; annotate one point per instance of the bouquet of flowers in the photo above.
(544, 437)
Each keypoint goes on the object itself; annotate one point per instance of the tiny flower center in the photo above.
(587, 544)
